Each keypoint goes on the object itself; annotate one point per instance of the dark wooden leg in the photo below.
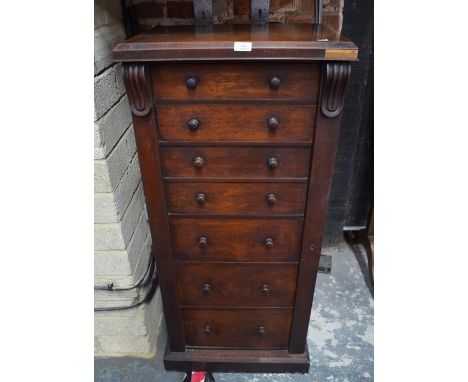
(209, 377)
(366, 238)
(188, 377)
(368, 243)
(370, 248)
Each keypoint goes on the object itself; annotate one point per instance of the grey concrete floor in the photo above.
(340, 338)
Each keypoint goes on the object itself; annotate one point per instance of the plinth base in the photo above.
(242, 361)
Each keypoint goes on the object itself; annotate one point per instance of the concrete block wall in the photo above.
(180, 12)
(121, 235)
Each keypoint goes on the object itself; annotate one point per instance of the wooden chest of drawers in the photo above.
(236, 151)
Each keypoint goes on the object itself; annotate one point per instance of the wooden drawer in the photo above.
(237, 285)
(236, 239)
(236, 122)
(236, 162)
(239, 81)
(236, 198)
(243, 328)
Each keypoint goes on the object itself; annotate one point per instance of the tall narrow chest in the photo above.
(236, 128)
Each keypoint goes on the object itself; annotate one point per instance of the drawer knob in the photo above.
(207, 329)
(201, 198)
(206, 287)
(269, 243)
(271, 198)
(273, 123)
(193, 124)
(202, 242)
(272, 163)
(191, 82)
(275, 82)
(198, 162)
(261, 330)
(266, 289)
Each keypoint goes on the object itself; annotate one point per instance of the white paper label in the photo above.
(242, 46)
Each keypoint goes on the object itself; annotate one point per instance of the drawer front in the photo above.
(236, 239)
(235, 122)
(237, 162)
(252, 328)
(236, 198)
(237, 285)
(240, 81)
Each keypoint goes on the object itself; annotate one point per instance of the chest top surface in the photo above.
(302, 42)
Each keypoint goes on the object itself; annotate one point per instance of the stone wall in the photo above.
(121, 235)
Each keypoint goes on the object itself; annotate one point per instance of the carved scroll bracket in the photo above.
(335, 78)
(137, 89)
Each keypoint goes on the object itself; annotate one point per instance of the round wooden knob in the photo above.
(272, 163)
(272, 199)
(202, 242)
(207, 329)
(275, 82)
(265, 288)
(198, 162)
(201, 198)
(269, 243)
(193, 124)
(206, 287)
(191, 82)
(273, 123)
(261, 330)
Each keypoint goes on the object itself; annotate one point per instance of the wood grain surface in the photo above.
(236, 285)
(270, 41)
(236, 239)
(236, 198)
(238, 328)
(236, 122)
(241, 81)
(233, 162)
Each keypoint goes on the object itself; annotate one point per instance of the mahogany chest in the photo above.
(236, 150)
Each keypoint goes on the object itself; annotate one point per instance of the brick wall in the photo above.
(180, 12)
(121, 235)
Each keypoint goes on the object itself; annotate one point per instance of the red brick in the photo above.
(277, 18)
(230, 9)
(333, 21)
(307, 6)
(242, 7)
(333, 5)
(301, 19)
(279, 4)
(180, 9)
(149, 10)
(242, 19)
(143, 27)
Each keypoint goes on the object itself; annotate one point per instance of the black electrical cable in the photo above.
(110, 287)
(148, 296)
(141, 282)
